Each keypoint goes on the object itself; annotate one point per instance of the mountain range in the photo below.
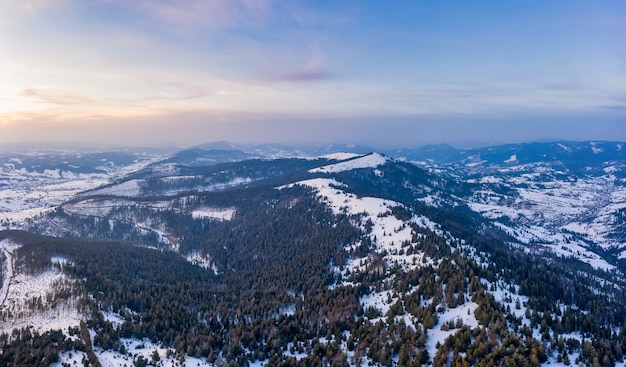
(335, 255)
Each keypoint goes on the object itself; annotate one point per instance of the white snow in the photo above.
(60, 317)
(581, 253)
(115, 319)
(214, 213)
(8, 248)
(30, 194)
(96, 207)
(380, 300)
(61, 260)
(368, 161)
(511, 159)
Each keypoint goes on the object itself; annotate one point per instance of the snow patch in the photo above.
(580, 253)
(214, 213)
(382, 301)
(595, 149)
(60, 260)
(564, 147)
(203, 261)
(464, 312)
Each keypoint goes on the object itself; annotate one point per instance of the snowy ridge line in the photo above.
(341, 156)
(97, 206)
(372, 160)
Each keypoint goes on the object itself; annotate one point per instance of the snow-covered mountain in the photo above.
(566, 198)
(509, 255)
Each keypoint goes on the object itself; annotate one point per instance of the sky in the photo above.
(381, 73)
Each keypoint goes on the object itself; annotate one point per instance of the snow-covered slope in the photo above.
(388, 234)
(30, 300)
(367, 161)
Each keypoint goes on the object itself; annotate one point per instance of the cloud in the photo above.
(55, 97)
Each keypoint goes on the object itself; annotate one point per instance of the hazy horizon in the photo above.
(25, 147)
